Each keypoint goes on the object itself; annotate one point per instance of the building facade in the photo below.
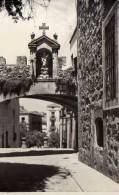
(24, 116)
(73, 50)
(53, 118)
(9, 124)
(33, 120)
(98, 102)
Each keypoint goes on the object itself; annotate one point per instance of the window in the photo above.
(53, 113)
(99, 131)
(110, 56)
(75, 65)
(52, 123)
(110, 66)
(7, 138)
(3, 140)
(14, 133)
(23, 119)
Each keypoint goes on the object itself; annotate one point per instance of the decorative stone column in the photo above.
(23, 142)
(73, 144)
(61, 135)
(33, 63)
(55, 63)
(68, 131)
(64, 131)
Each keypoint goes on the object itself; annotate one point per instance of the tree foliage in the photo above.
(15, 8)
(35, 138)
(15, 80)
(54, 140)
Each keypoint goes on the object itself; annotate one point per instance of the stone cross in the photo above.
(44, 28)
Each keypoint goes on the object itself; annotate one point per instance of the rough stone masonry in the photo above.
(91, 116)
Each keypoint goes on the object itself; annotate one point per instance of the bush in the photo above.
(54, 140)
(34, 138)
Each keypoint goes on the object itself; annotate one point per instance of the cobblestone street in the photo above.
(50, 173)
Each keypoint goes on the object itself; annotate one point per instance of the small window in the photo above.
(7, 139)
(23, 119)
(53, 113)
(99, 131)
(52, 123)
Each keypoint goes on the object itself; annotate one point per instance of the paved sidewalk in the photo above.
(86, 178)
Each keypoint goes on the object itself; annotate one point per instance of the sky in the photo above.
(14, 37)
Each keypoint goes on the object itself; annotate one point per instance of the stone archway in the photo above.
(44, 60)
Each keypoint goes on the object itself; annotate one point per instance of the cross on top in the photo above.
(44, 28)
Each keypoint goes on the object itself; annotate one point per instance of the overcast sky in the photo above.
(14, 37)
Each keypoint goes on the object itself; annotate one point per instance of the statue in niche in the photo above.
(44, 60)
(44, 68)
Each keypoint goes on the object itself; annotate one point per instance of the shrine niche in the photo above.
(44, 64)
(44, 56)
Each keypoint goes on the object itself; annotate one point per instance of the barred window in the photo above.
(110, 66)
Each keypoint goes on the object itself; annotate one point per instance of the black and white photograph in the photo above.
(59, 96)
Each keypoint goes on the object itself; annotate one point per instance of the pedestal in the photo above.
(45, 142)
(44, 73)
(23, 142)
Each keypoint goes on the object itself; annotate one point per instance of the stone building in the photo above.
(53, 118)
(35, 121)
(9, 113)
(24, 116)
(98, 102)
(9, 124)
(73, 50)
(32, 119)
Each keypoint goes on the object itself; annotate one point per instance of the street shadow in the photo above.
(36, 153)
(17, 177)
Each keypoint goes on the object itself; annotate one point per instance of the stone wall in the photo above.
(90, 92)
(21, 60)
(9, 124)
(111, 158)
(2, 61)
(90, 76)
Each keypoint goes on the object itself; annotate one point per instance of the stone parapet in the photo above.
(21, 61)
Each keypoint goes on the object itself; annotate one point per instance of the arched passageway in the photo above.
(65, 125)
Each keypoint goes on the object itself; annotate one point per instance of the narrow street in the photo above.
(51, 173)
(36, 173)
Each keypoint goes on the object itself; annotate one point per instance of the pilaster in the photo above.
(55, 62)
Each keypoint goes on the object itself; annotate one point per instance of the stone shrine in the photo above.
(44, 56)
